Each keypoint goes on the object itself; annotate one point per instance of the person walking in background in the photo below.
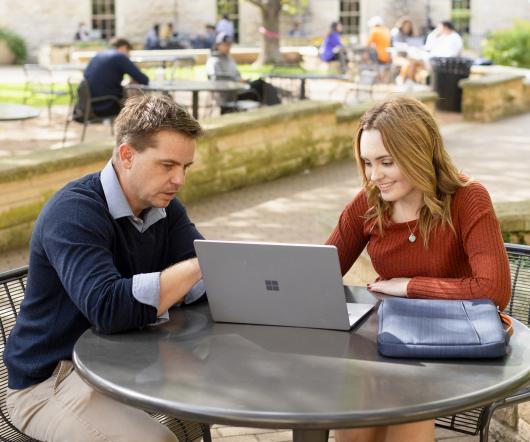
(379, 40)
(332, 48)
(225, 26)
(104, 75)
(430, 231)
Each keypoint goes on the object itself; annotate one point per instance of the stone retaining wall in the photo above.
(495, 96)
(237, 150)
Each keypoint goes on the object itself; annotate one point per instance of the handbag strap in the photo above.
(507, 322)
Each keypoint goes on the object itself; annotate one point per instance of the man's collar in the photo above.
(116, 201)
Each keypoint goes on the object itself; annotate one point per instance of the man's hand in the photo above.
(393, 287)
(176, 281)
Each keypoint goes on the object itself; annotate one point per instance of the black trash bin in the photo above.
(447, 72)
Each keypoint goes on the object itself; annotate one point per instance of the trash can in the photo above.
(447, 71)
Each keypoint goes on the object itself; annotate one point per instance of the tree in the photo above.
(270, 28)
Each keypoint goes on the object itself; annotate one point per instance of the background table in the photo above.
(304, 77)
(281, 377)
(14, 112)
(193, 86)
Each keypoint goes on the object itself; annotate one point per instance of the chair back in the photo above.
(12, 287)
(38, 76)
(519, 305)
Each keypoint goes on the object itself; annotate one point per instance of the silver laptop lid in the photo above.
(274, 284)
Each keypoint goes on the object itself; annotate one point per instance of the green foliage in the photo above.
(510, 47)
(15, 43)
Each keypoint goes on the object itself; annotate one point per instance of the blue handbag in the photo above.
(435, 329)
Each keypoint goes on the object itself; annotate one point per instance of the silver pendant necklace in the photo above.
(412, 237)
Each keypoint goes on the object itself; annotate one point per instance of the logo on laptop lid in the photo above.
(272, 285)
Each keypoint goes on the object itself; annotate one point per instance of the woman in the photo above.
(431, 232)
(332, 48)
(403, 30)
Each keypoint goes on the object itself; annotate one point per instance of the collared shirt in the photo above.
(145, 286)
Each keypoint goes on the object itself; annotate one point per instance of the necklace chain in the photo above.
(412, 237)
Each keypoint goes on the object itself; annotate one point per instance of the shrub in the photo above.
(510, 47)
(15, 43)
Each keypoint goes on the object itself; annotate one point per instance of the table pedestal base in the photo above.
(310, 435)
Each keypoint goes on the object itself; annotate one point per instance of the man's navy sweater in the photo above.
(105, 73)
(80, 275)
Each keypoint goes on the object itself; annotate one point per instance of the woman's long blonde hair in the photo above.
(411, 136)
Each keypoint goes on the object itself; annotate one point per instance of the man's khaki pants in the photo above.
(65, 408)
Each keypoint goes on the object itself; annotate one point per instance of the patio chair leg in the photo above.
(485, 430)
(65, 130)
(85, 124)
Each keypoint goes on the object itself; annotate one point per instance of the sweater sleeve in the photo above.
(182, 233)
(78, 243)
(479, 230)
(132, 70)
(348, 236)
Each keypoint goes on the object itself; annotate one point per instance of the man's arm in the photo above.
(132, 70)
(176, 281)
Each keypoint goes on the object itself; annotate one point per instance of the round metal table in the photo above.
(307, 380)
(193, 86)
(15, 112)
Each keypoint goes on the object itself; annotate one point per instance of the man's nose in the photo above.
(178, 177)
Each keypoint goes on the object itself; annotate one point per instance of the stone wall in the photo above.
(494, 96)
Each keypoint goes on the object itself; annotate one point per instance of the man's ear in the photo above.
(126, 153)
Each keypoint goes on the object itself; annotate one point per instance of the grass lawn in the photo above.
(15, 93)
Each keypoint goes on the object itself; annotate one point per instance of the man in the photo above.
(112, 251)
(105, 73)
(221, 66)
(226, 26)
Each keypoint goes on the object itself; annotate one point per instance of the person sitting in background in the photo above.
(152, 39)
(221, 66)
(379, 40)
(81, 34)
(403, 30)
(444, 41)
(104, 75)
(225, 26)
(332, 48)
(206, 40)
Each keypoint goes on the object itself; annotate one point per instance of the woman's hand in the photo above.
(394, 286)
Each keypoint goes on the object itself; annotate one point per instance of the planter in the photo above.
(6, 56)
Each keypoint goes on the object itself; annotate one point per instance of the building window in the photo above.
(349, 16)
(103, 18)
(230, 8)
(461, 15)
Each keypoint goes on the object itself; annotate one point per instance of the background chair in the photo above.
(477, 421)
(81, 108)
(12, 287)
(40, 82)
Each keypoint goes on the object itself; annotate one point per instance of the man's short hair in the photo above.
(448, 24)
(143, 116)
(222, 37)
(118, 42)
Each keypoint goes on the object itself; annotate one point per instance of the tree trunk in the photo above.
(270, 43)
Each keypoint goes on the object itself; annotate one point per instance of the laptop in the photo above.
(295, 285)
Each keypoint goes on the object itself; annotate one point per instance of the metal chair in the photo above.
(477, 421)
(40, 82)
(12, 287)
(81, 108)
